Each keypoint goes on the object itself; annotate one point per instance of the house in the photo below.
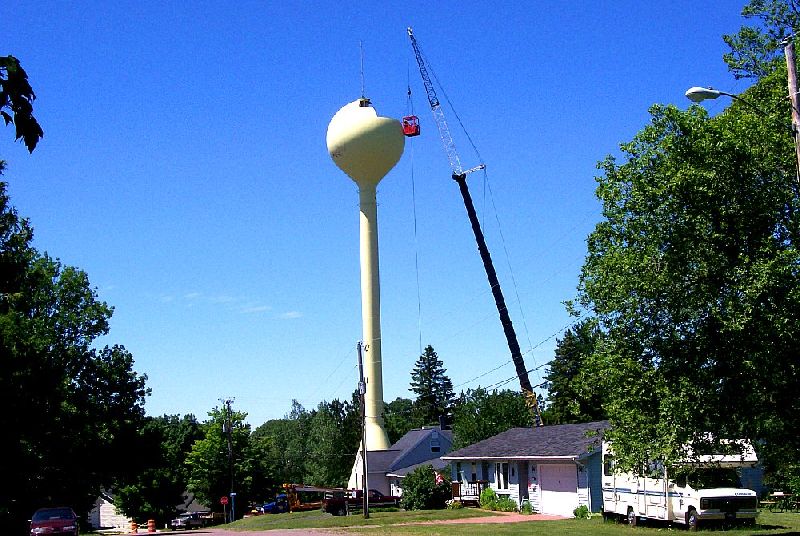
(555, 468)
(104, 515)
(387, 468)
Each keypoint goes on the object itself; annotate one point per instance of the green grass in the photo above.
(319, 519)
(396, 523)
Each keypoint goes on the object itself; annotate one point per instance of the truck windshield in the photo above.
(714, 477)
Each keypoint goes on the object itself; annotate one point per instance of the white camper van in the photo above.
(704, 490)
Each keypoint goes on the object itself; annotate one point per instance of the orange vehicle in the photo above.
(303, 498)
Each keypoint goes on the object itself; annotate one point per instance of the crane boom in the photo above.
(460, 176)
(436, 109)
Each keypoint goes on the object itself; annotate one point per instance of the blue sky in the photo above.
(184, 168)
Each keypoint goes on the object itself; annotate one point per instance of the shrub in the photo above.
(506, 504)
(581, 512)
(526, 508)
(421, 492)
(453, 504)
(488, 499)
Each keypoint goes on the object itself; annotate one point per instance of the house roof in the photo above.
(563, 441)
(392, 460)
(437, 463)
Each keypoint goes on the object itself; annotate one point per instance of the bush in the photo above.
(526, 508)
(453, 504)
(488, 499)
(581, 512)
(421, 492)
(506, 504)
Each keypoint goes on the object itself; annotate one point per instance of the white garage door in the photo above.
(559, 485)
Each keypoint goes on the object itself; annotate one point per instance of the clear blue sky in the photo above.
(184, 168)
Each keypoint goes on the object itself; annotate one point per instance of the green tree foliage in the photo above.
(70, 410)
(399, 418)
(573, 391)
(287, 444)
(16, 102)
(212, 472)
(756, 50)
(433, 388)
(162, 475)
(479, 414)
(693, 276)
(334, 436)
(421, 492)
(316, 447)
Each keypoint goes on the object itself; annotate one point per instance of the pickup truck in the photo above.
(341, 502)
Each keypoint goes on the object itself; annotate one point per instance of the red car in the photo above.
(52, 521)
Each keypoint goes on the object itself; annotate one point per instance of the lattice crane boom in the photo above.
(460, 176)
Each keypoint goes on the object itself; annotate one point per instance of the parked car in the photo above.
(278, 506)
(189, 520)
(61, 520)
(340, 502)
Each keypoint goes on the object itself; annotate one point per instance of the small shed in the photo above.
(555, 468)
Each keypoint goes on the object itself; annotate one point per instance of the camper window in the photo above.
(608, 465)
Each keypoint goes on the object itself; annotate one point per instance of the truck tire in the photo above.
(692, 520)
(632, 518)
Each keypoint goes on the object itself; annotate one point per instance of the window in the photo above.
(474, 472)
(435, 446)
(608, 465)
(501, 475)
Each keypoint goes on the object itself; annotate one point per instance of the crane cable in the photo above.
(487, 186)
(410, 112)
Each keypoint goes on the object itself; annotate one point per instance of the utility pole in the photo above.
(362, 390)
(228, 429)
(791, 71)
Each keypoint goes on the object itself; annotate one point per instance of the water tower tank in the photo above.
(364, 145)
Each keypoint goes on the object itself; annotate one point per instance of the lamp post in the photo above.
(699, 94)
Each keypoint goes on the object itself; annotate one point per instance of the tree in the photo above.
(693, 277)
(399, 418)
(333, 439)
(479, 414)
(573, 393)
(433, 388)
(162, 475)
(213, 473)
(70, 410)
(756, 50)
(287, 444)
(16, 96)
(421, 491)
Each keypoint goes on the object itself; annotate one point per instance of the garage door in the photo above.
(559, 485)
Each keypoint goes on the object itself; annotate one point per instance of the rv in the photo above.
(706, 489)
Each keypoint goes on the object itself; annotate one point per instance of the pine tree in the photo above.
(433, 388)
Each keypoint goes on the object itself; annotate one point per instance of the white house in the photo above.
(555, 468)
(105, 515)
(387, 468)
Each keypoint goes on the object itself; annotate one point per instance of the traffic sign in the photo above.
(223, 500)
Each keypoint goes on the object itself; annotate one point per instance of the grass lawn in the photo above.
(395, 523)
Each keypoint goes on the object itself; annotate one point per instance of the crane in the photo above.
(460, 176)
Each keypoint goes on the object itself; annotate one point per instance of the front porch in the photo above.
(468, 493)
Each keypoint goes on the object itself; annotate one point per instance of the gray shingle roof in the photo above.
(555, 441)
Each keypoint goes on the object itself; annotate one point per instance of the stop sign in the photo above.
(223, 500)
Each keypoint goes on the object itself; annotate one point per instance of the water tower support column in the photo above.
(371, 315)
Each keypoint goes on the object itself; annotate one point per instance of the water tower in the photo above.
(366, 146)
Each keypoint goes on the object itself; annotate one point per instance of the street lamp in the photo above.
(699, 94)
